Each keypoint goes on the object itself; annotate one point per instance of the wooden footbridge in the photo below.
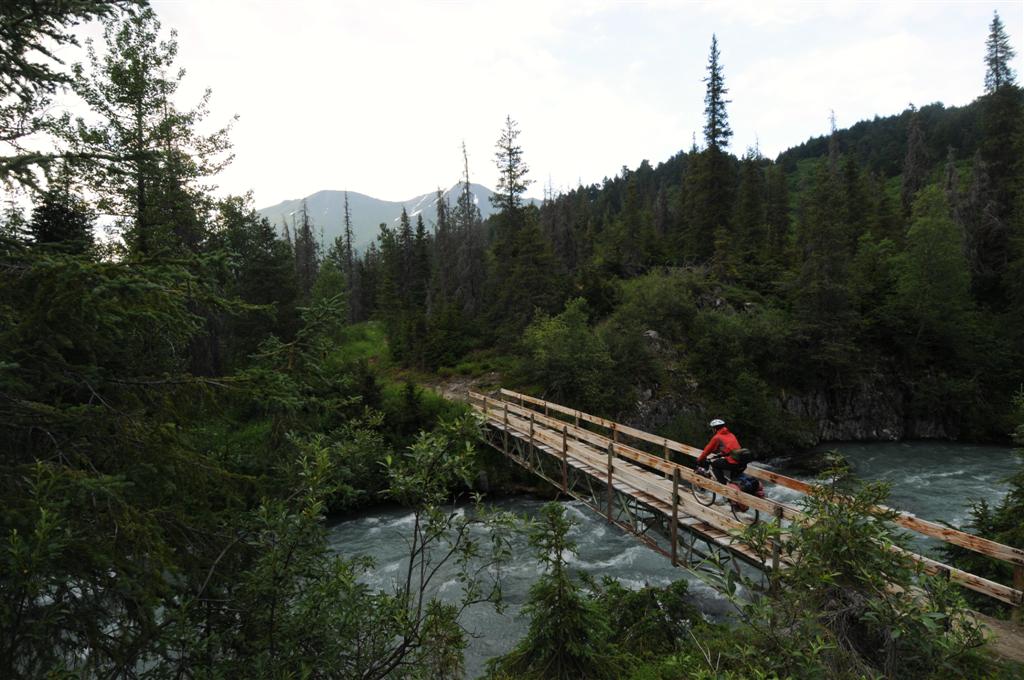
(637, 481)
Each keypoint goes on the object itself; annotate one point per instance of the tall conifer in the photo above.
(716, 121)
(512, 169)
(915, 163)
(998, 55)
(307, 251)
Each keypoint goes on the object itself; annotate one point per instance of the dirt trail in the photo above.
(1005, 638)
(458, 387)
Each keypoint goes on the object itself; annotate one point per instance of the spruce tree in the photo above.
(307, 253)
(569, 635)
(420, 266)
(33, 36)
(750, 214)
(348, 243)
(62, 220)
(710, 180)
(150, 157)
(933, 279)
(998, 56)
(822, 298)
(716, 120)
(709, 188)
(1002, 126)
(512, 169)
(442, 280)
(986, 237)
(522, 276)
(777, 213)
(915, 163)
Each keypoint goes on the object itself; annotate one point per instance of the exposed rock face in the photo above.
(872, 410)
(865, 412)
(652, 415)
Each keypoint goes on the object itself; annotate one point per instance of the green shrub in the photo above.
(850, 604)
(568, 358)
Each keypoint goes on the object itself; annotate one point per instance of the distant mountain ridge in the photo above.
(327, 210)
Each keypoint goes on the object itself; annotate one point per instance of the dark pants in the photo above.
(720, 466)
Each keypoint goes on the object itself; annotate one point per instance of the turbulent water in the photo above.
(936, 481)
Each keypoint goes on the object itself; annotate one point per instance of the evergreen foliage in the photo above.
(178, 419)
(998, 56)
(818, 255)
(147, 159)
(568, 635)
(512, 169)
(32, 35)
(716, 122)
(810, 255)
(61, 219)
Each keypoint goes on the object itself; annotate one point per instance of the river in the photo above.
(936, 481)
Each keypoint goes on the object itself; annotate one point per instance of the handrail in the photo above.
(587, 442)
(766, 505)
(983, 546)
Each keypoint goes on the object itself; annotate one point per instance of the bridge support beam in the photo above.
(611, 488)
(1018, 584)
(675, 518)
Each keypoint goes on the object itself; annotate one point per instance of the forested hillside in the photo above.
(864, 285)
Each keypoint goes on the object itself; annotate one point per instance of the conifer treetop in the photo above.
(716, 126)
(998, 55)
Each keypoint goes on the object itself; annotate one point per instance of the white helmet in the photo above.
(716, 423)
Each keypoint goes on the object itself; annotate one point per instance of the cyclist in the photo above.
(723, 443)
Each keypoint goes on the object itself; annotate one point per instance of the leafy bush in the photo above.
(851, 604)
(566, 357)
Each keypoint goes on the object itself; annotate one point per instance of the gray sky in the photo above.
(377, 97)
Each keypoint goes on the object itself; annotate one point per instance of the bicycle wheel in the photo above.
(705, 497)
(749, 516)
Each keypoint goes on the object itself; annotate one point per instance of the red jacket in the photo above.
(723, 442)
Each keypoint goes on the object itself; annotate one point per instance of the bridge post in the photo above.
(668, 456)
(505, 431)
(776, 547)
(611, 489)
(531, 428)
(565, 461)
(675, 516)
(1018, 583)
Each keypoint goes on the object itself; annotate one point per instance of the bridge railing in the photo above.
(580, 424)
